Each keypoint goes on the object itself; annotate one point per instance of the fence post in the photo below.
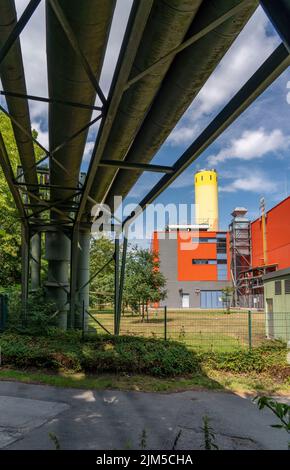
(165, 323)
(250, 328)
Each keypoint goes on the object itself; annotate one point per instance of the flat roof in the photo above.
(279, 273)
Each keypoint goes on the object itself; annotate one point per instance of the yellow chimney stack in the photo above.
(206, 198)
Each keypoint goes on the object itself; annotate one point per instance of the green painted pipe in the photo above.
(83, 286)
(90, 21)
(13, 79)
(57, 251)
(186, 76)
(166, 28)
(35, 261)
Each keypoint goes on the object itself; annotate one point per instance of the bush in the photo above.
(104, 353)
(39, 313)
(261, 359)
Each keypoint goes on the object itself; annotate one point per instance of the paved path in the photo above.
(82, 419)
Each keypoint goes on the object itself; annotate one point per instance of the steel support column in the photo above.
(122, 281)
(35, 262)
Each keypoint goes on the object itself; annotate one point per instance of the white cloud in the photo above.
(256, 183)
(182, 134)
(88, 150)
(185, 180)
(251, 145)
(33, 44)
(247, 53)
(42, 136)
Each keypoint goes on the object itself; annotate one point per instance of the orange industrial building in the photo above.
(277, 237)
(199, 262)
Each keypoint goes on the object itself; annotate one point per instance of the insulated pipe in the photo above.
(13, 80)
(83, 286)
(57, 251)
(35, 262)
(186, 76)
(166, 28)
(90, 21)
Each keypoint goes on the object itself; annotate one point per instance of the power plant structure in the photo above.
(203, 264)
(206, 198)
(195, 258)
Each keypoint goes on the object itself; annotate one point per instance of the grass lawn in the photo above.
(250, 383)
(199, 330)
(132, 363)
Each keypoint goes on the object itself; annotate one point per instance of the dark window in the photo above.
(278, 287)
(221, 261)
(287, 286)
(221, 245)
(221, 248)
(203, 240)
(204, 261)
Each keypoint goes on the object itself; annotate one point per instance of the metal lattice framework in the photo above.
(50, 194)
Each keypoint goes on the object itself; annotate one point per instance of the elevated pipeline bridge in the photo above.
(170, 48)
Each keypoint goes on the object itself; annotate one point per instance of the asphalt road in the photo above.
(83, 419)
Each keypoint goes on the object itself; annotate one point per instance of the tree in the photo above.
(102, 250)
(144, 282)
(10, 226)
(227, 295)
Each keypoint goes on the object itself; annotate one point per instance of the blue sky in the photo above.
(251, 157)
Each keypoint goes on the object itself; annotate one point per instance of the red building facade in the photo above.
(277, 237)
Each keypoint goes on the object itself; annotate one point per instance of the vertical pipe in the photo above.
(83, 273)
(57, 251)
(35, 262)
(117, 260)
(264, 235)
(24, 270)
(122, 281)
(73, 321)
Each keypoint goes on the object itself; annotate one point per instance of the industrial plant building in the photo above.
(204, 266)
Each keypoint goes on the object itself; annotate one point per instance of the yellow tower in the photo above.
(206, 198)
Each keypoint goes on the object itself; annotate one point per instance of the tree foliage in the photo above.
(10, 227)
(144, 283)
(102, 286)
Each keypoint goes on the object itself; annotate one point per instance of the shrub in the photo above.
(99, 354)
(39, 313)
(263, 358)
